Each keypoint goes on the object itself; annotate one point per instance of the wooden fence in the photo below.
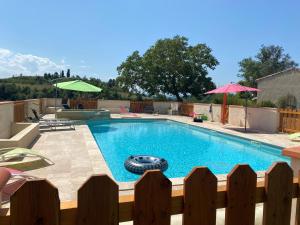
(139, 106)
(86, 103)
(19, 111)
(153, 202)
(186, 109)
(41, 106)
(289, 120)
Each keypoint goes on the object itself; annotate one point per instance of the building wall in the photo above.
(274, 87)
(6, 119)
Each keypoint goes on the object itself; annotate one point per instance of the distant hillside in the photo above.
(27, 87)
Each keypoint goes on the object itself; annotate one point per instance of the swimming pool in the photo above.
(182, 145)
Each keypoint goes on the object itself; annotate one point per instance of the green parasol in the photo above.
(77, 85)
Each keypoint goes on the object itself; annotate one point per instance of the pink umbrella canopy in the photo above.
(231, 88)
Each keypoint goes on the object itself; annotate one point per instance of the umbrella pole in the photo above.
(224, 108)
(55, 99)
(246, 107)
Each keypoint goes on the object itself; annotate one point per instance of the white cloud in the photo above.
(12, 63)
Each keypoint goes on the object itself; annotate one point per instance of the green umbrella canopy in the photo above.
(77, 85)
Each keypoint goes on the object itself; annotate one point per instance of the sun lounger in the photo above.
(10, 181)
(18, 173)
(8, 154)
(295, 136)
(149, 109)
(66, 106)
(124, 111)
(53, 123)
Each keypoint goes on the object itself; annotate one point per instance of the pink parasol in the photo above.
(231, 88)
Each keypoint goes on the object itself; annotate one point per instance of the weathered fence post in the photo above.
(241, 190)
(98, 202)
(279, 187)
(200, 194)
(36, 202)
(297, 216)
(152, 199)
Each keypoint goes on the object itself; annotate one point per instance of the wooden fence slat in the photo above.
(19, 111)
(297, 219)
(139, 106)
(86, 103)
(152, 203)
(98, 201)
(200, 195)
(186, 109)
(279, 188)
(241, 193)
(36, 202)
(288, 120)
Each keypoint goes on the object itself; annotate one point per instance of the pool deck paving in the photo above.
(76, 155)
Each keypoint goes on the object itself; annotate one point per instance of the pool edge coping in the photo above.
(178, 181)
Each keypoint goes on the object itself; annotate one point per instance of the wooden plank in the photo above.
(152, 203)
(36, 202)
(297, 219)
(19, 111)
(98, 201)
(279, 189)
(241, 192)
(69, 209)
(289, 120)
(290, 112)
(200, 195)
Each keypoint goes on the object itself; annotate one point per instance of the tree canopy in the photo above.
(269, 60)
(169, 67)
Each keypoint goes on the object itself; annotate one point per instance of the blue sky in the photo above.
(93, 37)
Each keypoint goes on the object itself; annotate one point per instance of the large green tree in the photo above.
(270, 59)
(169, 67)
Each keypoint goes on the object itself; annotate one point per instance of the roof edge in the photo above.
(277, 73)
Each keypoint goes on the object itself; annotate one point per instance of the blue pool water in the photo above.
(183, 146)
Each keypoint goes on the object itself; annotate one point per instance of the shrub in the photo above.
(204, 117)
(288, 101)
(266, 104)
